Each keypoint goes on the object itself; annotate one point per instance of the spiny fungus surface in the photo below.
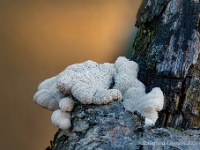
(92, 83)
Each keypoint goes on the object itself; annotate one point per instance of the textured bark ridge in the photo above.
(99, 127)
(167, 49)
(110, 127)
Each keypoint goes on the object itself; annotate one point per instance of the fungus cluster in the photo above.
(92, 83)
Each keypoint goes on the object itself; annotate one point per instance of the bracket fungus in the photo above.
(92, 83)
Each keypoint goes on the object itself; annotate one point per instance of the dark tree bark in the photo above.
(167, 48)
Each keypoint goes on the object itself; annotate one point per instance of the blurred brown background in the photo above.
(38, 39)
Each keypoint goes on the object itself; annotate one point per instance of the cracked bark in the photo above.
(167, 49)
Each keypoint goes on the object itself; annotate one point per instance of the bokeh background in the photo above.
(38, 39)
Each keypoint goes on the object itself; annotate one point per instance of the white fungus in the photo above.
(126, 75)
(61, 119)
(86, 80)
(148, 123)
(48, 95)
(88, 94)
(148, 104)
(92, 83)
(134, 92)
(66, 104)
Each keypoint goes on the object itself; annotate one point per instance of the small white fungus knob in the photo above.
(66, 104)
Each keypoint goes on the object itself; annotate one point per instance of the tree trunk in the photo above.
(167, 48)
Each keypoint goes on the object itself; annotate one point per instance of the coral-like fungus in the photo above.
(89, 82)
(92, 83)
(134, 95)
(61, 119)
(147, 104)
(66, 104)
(48, 96)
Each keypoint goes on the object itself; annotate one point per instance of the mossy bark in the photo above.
(167, 49)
